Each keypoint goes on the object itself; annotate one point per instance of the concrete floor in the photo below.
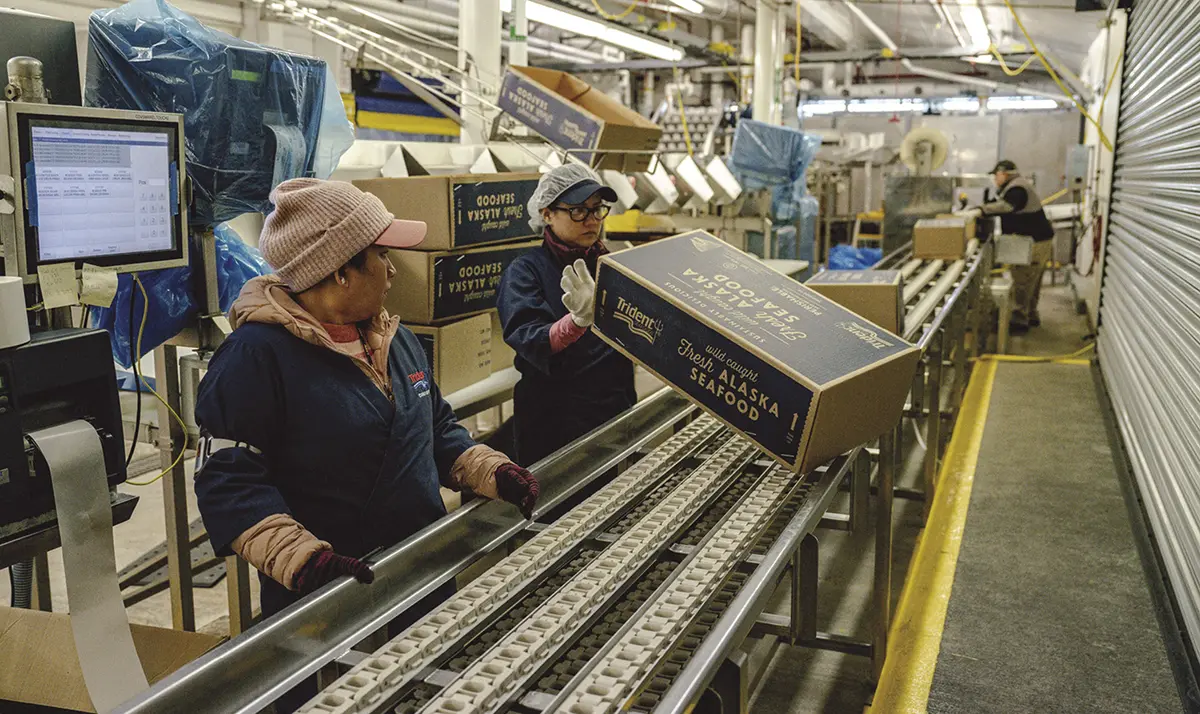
(1050, 610)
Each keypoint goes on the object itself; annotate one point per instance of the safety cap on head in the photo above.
(318, 226)
(1004, 165)
(570, 184)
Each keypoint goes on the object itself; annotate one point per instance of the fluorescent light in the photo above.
(603, 31)
(973, 20)
(690, 5)
(822, 106)
(960, 104)
(887, 106)
(998, 104)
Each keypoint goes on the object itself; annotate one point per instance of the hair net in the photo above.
(551, 186)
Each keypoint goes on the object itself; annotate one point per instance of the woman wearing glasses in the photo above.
(571, 381)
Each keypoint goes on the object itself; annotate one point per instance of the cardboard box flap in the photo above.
(39, 664)
(573, 115)
(769, 308)
(595, 102)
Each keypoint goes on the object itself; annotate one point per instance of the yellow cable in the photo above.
(1054, 75)
(1010, 72)
(796, 54)
(619, 16)
(33, 308)
(1055, 196)
(138, 355)
(687, 137)
(1112, 78)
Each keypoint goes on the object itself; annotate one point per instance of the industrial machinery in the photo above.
(48, 40)
(924, 150)
(56, 378)
(632, 592)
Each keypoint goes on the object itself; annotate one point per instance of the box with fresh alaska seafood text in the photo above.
(799, 375)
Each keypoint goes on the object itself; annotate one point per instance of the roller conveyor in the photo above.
(586, 591)
(562, 622)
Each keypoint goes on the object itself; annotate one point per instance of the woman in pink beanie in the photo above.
(330, 437)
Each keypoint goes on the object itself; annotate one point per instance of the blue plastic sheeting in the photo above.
(775, 157)
(846, 257)
(173, 296)
(253, 116)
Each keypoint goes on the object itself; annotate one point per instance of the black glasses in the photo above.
(579, 214)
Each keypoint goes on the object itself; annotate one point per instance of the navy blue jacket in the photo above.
(560, 396)
(337, 455)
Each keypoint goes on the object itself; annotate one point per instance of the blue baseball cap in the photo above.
(578, 193)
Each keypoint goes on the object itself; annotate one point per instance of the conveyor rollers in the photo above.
(601, 609)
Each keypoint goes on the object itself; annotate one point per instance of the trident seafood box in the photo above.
(793, 371)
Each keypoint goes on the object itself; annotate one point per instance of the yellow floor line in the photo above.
(916, 634)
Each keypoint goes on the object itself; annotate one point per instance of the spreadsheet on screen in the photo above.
(101, 192)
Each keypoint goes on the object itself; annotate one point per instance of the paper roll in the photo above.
(111, 668)
(14, 325)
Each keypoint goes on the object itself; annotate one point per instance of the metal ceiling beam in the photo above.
(831, 23)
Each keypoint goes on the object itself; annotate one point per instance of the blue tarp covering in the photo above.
(173, 303)
(776, 157)
(846, 257)
(253, 116)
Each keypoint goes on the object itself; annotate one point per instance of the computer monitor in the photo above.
(97, 186)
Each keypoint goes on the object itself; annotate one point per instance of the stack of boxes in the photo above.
(445, 289)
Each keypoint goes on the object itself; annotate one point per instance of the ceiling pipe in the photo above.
(887, 41)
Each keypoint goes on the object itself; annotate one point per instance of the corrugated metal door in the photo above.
(1150, 304)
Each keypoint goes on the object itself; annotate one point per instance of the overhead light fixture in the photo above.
(999, 104)
(973, 20)
(960, 104)
(822, 106)
(887, 106)
(605, 32)
(689, 5)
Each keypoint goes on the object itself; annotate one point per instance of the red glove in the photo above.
(518, 487)
(325, 566)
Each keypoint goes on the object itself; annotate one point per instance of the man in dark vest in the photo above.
(1020, 211)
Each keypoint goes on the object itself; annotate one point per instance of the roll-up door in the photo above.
(1150, 304)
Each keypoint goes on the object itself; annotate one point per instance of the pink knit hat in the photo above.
(318, 226)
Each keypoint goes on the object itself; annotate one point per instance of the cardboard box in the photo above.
(39, 664)
(568, 112)
(436, 287)
(942, 238)
(462, 211)
(799, 375)
(460, 352)
(502, 354)
(877, 295)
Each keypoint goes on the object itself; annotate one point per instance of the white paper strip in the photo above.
(111, 668)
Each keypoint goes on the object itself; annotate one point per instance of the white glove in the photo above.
(970, 213)
(579, 293)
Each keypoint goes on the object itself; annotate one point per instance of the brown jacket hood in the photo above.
(265, 300)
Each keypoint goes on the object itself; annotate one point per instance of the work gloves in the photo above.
(579, 293)
(325, 566)
(517, 486)
(970, 213)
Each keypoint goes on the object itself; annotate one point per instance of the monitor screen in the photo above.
(99, 191)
